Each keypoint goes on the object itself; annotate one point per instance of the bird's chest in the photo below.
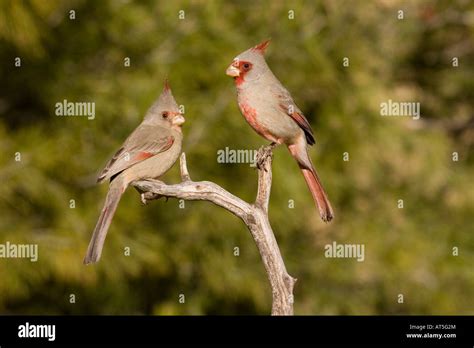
(250, 106)
(249, 113)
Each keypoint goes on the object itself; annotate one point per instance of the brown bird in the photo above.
(149, 152)
(270, 110)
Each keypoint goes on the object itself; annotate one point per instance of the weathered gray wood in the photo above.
(255, 217)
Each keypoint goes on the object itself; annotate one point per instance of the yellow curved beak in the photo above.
(178, 120)
(232, 71)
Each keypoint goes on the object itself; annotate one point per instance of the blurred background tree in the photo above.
(190, 251)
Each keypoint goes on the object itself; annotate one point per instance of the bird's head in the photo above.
(165, 111)
(249, 65)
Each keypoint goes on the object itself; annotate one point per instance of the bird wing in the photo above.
(145, 142)
(289, 107)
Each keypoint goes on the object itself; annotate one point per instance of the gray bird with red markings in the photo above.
(149, 152)
(270, 110)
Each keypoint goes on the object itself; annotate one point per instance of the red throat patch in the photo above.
(238, 80)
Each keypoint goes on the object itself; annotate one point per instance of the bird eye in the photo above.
(246, 66)
(165, 114)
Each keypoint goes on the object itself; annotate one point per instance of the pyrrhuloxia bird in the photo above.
(269, 108)
(152, 148)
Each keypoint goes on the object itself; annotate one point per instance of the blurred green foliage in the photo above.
(190, 251)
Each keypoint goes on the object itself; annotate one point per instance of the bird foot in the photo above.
(263, 153)
(149, 196)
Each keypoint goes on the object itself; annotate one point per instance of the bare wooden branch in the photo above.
(255, 217)
(184, 168)
(264, 164)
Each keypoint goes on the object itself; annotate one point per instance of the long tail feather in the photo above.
(300, 152)
(100, 232)
(318, 193)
